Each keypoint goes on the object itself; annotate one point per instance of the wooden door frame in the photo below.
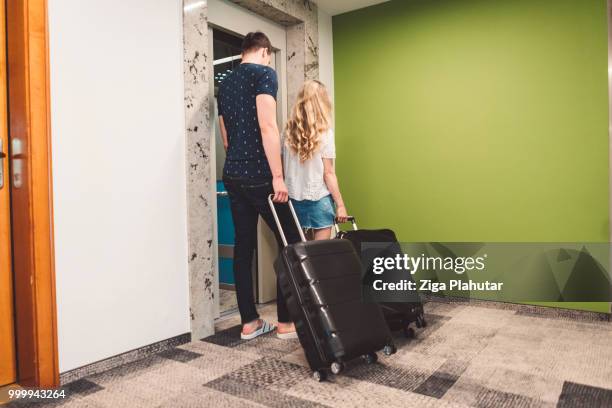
(8, 361)
(28, 61)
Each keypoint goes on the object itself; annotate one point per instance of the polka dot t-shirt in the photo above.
(237, 104)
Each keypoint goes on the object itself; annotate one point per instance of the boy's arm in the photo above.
(266, 114)
(223, 132)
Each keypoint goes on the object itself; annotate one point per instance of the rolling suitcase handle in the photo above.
(350, 218)
(278, 224)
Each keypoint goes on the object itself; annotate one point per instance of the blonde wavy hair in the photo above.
(310, 119)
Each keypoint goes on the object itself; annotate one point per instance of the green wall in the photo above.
(475, 120)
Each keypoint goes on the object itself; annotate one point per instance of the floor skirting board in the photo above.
(124, 358)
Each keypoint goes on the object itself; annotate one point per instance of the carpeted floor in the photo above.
(469, 355)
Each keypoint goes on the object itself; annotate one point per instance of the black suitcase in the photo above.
(399, 316)
(321, 283)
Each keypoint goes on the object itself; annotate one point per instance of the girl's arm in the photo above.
(331, 181)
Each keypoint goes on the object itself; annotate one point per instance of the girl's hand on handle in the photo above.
(341, 214)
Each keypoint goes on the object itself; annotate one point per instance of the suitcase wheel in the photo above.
(370, 358)
(337, 367)
(420, 322)
(389, 349)
(319, 375)
(409, 332)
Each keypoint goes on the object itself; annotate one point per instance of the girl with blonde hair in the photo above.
(308, 161)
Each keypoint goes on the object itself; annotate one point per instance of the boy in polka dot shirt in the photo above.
(252, 171)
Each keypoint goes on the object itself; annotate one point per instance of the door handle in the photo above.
(17, 162)
(2, 156)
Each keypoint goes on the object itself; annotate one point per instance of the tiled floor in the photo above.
(469, 355)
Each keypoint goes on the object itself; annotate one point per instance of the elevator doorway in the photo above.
(228, 24)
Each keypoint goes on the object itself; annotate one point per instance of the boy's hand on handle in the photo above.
(341, 214)
(281, 194)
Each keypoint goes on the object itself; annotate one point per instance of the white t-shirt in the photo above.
(305, 180)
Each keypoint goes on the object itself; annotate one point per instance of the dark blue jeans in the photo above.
(249, 200)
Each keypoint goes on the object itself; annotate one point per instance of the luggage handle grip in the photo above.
(278, 223)
(350, 219)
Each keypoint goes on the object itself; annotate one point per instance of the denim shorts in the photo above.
(315, 214)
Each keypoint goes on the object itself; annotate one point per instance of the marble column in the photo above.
(199, 191)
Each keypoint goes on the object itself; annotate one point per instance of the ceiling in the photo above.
(334, 7)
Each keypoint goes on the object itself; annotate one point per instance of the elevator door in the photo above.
(7, 331)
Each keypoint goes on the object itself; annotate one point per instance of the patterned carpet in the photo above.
(469, 355)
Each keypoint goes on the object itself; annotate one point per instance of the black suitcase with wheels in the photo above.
(399, 316)
(321, 283)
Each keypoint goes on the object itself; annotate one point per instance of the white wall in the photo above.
(326, 51)
(119, 175)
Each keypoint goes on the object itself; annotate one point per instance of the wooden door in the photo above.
(7, 331)
(31, 193)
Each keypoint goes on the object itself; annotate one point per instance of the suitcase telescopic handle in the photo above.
(278, 223)
(350, 219)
